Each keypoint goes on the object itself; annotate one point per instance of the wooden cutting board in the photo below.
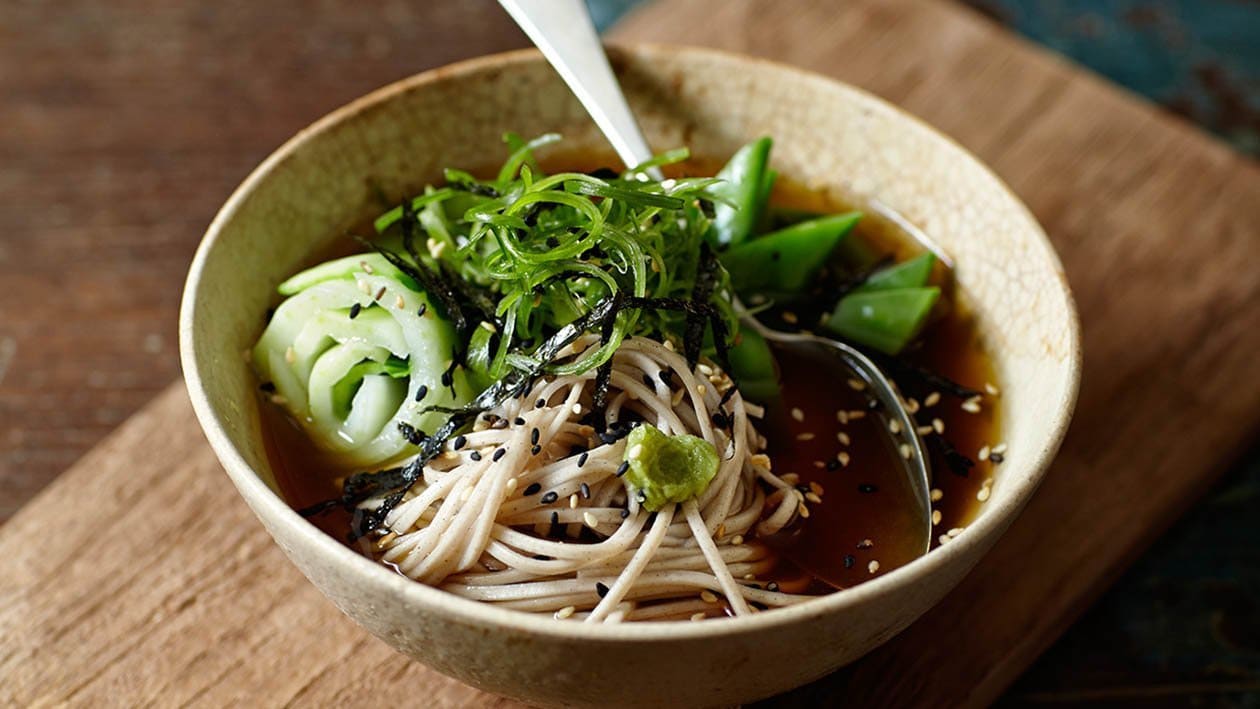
(139, 576)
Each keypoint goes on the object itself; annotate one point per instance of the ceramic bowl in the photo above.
(827, 135)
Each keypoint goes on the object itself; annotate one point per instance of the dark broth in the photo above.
(864, 515)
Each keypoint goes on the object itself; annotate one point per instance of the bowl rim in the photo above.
(267, 503)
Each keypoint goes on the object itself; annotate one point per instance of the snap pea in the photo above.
(884, 319)
(912, 273)
(787, 260)
(753, 365)
(746, 185)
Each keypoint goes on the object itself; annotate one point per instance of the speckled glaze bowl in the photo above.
(827, 135)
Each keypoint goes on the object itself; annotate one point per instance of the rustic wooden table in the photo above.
(127, 123)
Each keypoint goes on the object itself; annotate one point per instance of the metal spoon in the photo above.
(563, 30)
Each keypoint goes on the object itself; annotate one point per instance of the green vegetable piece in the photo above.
(668, 468)
(344, 390)
(753, 365)
(342, 268)
(884, 319)
(787, 260)
(912, 273)
(745, 186)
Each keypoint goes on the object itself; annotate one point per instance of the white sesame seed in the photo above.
(972, 405)
(983, 494)
(858, 414)
(991, 389)
(635, 451)
(720, 531)
(701, 389)
(488, 326)
(873, 566)
(905, 450)
(815, 488)
(698, 616)
(789, 317)
(843, 438)
(954, 532)
(737, 540)
(983, 455)
(999, 448)
(932, 399)
(924, 430)
(843, 457)
(797, 414)
(938, 426)
(365, 287)
(510, 485)
(576, 409)
(894, 427)
(807, 436)
(400, 303)
(708, 596)
(278, 400)
(842, 416)
(705, 369)
(937, 494)
(803, 511)
(813, 497)
(856, 384)
(750, 577)
(566, 612)
(590, 520)
(912, 406)
(943, 539)
(669, 345)
(936, 517)
(819, 464)
(289, 355)
(367, 267)
(573, 501)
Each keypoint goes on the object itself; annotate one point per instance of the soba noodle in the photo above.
(528, 511)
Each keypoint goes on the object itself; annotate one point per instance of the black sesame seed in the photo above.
(535, 450)
(422, 392)
(549, 498)
(667, 377)
(585, 491)
(608, 438)
(555, 518)
(460, 442)
(533, 436)
(802, 488)
(267, 387)
(355, 310)
(996, 457)
(582, 458)
(601, 589)
(499, 453)
(772, 587)
(849, 561)
(540, 403)
(475, 455)
(621, 469)
(833, 464)
(647, 380)
(518, 421)
(719, 420)
(625, 512)
(542, 557)
(420, 312)
(867, 488)
(533, 489)
(447, 379)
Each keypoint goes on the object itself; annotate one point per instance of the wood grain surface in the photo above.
(139, 576)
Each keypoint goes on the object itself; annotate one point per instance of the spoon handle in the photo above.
(563, 30)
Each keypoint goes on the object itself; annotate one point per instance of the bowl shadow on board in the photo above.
(827, 135)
